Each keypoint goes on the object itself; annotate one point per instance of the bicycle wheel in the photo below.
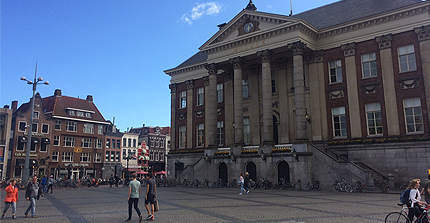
(348, 189)
(425, 219)
(334, 188)
(305, 187)
(396, 217)
(75, 187)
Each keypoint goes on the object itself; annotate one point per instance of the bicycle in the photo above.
(72, 186)
(402, 216)
(341, 186)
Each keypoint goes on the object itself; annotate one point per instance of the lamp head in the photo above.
(23, 79)
(40, 79)
(29, 82)
(46, 83)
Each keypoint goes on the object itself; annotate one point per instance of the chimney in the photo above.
(90, 98)
(6, 106)
(14, 106)
(57, 92)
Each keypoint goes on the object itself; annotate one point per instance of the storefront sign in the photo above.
(248, 46)
(23, 154)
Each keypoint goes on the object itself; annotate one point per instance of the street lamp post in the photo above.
(26, 170)
(128, 171)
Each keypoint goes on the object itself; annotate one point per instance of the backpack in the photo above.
(404, 196)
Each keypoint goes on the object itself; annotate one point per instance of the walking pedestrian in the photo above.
(133, 197)
(246, 182)
(111, 181)
(33, 192)
(241, 183)
(50, 183)
(11, 198)
(150, 195)
(43, 182)
(116, 180)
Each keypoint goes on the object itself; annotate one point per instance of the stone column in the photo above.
(228, 109)
(351, 86)
(173, 107)
(318, 109)
(423, 35)
(190, 113)
(299, 90)
(266, 83)
(211, 106)
(389, 84)
(238, 100)
(284, 108)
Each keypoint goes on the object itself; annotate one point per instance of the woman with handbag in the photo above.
(11, 198)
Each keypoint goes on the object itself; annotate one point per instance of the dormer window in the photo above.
(80, 113)
(72, 112)
(35, 115)
(88, 115)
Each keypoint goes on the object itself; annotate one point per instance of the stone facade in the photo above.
(296, 94)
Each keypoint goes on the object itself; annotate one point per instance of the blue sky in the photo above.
(114, 50)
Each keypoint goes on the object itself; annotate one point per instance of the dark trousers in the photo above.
(416, 211)
(49, 186)
(133, 202)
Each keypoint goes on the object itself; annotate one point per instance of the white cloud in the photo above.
(208, 8)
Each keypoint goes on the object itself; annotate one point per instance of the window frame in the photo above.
(182, 136)
(22, 128)
(57, 124)
(220, 133)
(200, 92)
(88, 128)
(370, 61)
(55, 154)
(56, 141)
(407, 54)
(414, 116)
(376, 118)
(246, 131)
(69, 141)
(336, 69)
(220, 93)
(47, 128)
(245, 88)
(182, 99)
(342, 120)
(71, 125)
(67, 157)
(87, 156)
(200, 135)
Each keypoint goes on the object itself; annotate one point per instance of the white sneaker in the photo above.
(240, 193)
(247, 191)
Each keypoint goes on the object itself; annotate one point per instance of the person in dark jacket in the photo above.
(116, 180)
(33, 193)
(246, 182)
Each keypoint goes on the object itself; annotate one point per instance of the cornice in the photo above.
(375, 20)
(80, 120)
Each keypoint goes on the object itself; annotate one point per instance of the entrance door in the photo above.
(252, 170)
(223, 172)
(283, 171)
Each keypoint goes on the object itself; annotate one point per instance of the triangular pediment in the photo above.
(248, 23)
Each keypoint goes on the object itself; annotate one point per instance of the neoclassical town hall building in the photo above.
(340, 91)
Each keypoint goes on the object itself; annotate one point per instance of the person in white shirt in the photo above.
(415, 198)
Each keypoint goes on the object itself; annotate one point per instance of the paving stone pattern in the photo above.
(178, 204)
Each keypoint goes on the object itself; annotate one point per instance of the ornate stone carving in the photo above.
(423, 33)
(206, 79)
(384, 41)
(371, 89)
(219, 111)
(336, 94)
(297, 47)
(316, 56)
(348, 49)
(409, 84)
(275, 104)
(265, 56)
(228, 76)
(237, 62)
(200, 114)
(245, 110)
(212, 68)
(173, 88)
(190, 84)
(181, 116)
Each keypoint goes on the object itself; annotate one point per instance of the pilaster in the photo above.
(423, 35)
(211, 106)
(390, 100)
(318, 112)
(351, 85)
(173, 107)
(229, 109)
(190, 106)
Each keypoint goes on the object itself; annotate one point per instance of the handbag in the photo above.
(156, 207)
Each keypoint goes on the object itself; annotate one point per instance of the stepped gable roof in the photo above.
(350, 10)
(332, 14)
(57, 106)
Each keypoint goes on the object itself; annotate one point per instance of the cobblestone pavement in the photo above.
(178, 204)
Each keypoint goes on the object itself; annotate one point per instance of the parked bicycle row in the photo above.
(344, 186)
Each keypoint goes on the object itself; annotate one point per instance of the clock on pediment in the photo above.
(248, 26)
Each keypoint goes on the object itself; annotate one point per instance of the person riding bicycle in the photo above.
(415, 200)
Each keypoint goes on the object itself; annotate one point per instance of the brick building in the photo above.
(67, 137)
(339, 91)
